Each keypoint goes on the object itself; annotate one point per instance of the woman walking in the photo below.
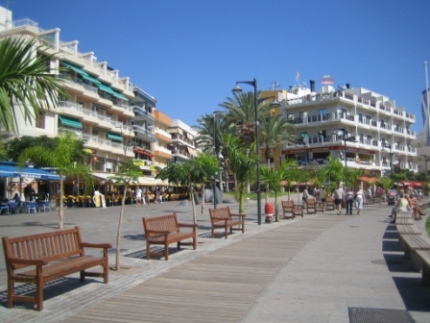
(359, 200)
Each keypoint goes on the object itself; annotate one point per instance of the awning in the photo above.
(142, 152)
(91, 79)
(70, 122)
(114, 137)
(109, 90)
(75, 68)
(27, 172)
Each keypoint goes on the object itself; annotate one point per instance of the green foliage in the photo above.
(190, 173)
(272, 178)
(242, 162)
(25, 82)
(18, 145)
(332, 172)
(60, 157)
(386, 183)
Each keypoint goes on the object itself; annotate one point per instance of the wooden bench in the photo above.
(51, 255)
(411, 243)
(329, 203)
(424, 257)
(164, 230)
(319, 207)
(311, 205)
(287, 208)
(221, 218)
(298, 210)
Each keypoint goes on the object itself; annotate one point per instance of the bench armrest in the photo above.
(35, 262)
(96, 245)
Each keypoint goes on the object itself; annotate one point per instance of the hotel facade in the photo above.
(364, 129)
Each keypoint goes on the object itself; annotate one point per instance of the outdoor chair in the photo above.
(32, 205)
(4, 207)
(14, 207)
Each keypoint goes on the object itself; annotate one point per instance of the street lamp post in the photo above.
(237, 89)
(215, 154)
(352, 138)
(391, 157)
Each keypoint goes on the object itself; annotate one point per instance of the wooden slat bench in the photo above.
(164, 230)
(412, 243)
(329, 203)
(311, 205)
(407, 229)
(287, 209)
(424, 256)
(51, 255)
(221, 218)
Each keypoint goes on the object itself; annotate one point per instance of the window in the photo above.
(40, 122)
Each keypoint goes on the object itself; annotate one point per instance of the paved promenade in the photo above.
(322, 268)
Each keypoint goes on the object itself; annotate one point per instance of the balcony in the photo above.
(143, 133)
(181, 139)
(141, 114)
(162, 135)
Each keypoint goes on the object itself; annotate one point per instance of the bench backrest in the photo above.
(46, 246)
(287, 204)
(221, 212)
(329, 199)
(311, 201)
(167, 222)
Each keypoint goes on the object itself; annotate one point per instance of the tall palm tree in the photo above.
(211, 131)
(332, 171)
(274, 130)
(25, 82)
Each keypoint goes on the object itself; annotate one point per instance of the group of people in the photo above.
(405, 204)
(338, 195)
(144, 198)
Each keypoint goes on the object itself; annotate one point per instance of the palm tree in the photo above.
(211, 129)
(190, 173)
(25, 82)
(273, 178)
(332, 172)
(274, 130)
(242, 161)
(59, 157)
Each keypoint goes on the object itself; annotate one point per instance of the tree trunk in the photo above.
(203, 199)
(193, 204)
(118, 232)
(61, 208)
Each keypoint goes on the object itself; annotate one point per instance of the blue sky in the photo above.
(190, 53)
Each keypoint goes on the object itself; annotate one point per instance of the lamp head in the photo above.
(237, 89)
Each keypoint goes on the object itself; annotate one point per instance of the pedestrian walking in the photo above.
(359, 200)
(349, 201)
(338, 196)
(138, 196)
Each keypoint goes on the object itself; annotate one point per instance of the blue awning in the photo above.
(27, 172)
(70, 122)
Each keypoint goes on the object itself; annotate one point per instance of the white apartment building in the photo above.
(182, 145)
(364, 129)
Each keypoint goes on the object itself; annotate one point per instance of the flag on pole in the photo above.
(297, 76)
